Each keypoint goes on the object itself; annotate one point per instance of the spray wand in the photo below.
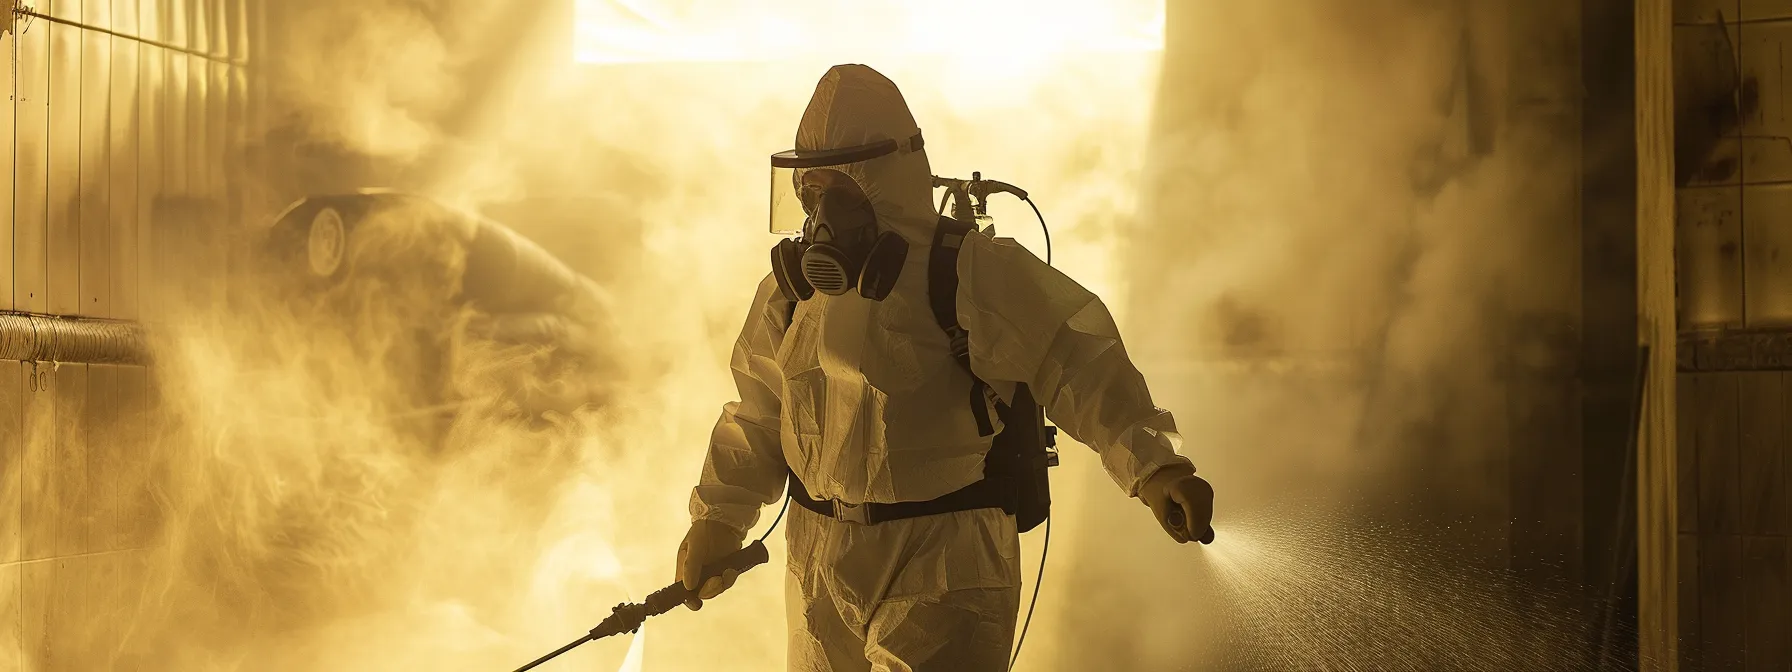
(628, 617)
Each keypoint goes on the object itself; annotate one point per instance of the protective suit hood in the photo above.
(856, 105)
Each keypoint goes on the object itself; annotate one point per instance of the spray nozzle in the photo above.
(974, 193)
(981, 188)
(970, 202)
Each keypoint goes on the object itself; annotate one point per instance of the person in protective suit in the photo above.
(850, 393)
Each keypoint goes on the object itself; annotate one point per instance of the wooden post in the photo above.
(1657, 572)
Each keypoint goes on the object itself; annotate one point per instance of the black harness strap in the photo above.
(942, 293)
(992, 492)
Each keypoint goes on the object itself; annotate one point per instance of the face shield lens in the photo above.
(804, 193)
(799, 172)
(788, 213)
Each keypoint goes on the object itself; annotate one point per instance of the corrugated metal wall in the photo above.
(1735, 295)
(125, 138)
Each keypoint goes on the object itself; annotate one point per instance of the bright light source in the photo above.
(665, 31)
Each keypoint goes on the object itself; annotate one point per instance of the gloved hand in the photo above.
(1176, 492)
(707, 542)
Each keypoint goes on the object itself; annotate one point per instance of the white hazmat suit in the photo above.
(862, 400)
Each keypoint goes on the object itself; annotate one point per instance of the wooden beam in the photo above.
(1657, 571)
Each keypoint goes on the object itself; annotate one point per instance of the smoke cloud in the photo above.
(1358, 240)
(1310, 231)
(369, 77)
(348, 479)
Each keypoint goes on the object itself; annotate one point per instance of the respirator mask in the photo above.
(840, 246)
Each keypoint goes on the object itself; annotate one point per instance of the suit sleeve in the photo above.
(1031, 324)
(745, 469)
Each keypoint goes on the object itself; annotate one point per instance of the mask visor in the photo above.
(787, 208)
(792, 203)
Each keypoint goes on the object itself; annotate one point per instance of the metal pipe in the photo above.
(21, 11)
(74, 340)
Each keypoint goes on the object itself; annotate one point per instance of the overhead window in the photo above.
(695, 31)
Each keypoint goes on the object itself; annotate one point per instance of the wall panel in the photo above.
(1720, 507)
(42, 516)
(171, 230)
(99, 425)
(1768, 619)
(1722, 602)
(96, 174)
(7, 46)
(65, 162)
(69, 464)
(176, 152)
(12, 621)
(1767, 255)
(12, 460)
(37, 597)
(199, 121)
(122, 220)
(243, 175)
(152, 109)
(1766, 150)
(1709, 256)
(104, 603)
(137, 518)
(31, 94)
(1760, 416)
(220, 221)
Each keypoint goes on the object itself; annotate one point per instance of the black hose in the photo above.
(1042, 227)
(775, 521)
(1043, 552)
